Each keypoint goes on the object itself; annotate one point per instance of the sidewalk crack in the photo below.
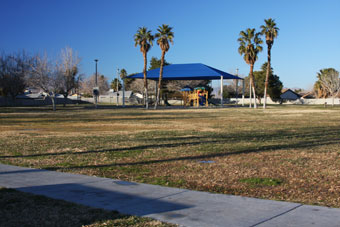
(300, 205)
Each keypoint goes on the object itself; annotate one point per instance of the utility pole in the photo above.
(95, 89)
(123, 83)
(117, 86)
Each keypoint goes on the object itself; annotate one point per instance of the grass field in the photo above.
(24, 209)
(289, 153)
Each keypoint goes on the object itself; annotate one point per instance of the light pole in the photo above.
(117, 86)
(236, 88)
(96, 90)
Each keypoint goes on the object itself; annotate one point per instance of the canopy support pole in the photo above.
(243, 92)
(221, 91)
(123, 92)
(156, 89)
(236, 92)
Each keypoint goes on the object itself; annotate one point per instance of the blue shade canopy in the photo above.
(194, 71)
(186, 89)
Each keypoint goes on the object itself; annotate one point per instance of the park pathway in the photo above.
(173, 205)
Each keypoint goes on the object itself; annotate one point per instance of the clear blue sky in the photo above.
(205, 32)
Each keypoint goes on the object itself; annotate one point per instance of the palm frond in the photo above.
(250, 46)
(144, 39)
(270, 30)
(164, 36)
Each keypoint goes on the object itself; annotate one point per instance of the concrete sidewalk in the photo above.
(173, 205)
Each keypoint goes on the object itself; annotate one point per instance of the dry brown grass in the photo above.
(296, 145)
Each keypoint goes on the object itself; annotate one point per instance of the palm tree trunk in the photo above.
(253, 83)
(160, 79)
(267, 76)
(146, 99)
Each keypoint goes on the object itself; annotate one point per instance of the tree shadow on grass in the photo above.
(308, 137)
(62, 208)
(72, 119)
(269, 148)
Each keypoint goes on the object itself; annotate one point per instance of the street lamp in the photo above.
(117, 86)
(96, 60)
(96, 89)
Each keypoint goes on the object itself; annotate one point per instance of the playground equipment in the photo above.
(185, 95)
(198, 97)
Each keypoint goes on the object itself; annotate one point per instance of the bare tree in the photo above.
(14, 69)
(68, 68)
(331, 82)
(86, 86)
(137, 86)
(46, 76)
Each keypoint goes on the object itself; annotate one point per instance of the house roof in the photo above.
(289, 95)
(307, 95)
(193, 71)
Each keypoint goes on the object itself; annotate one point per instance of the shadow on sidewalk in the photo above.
(114, 195)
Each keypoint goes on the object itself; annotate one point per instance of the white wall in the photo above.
(298, 101)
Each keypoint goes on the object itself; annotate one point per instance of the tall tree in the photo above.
(275, 85)
(164, 36)
(114, 83)
(330, 81)
(69, 67)
(270, 31)
(122, 74)
(320, 90)
(14, 70)
(155, 63)
(250, 47)
(144, 39)
(45, 76)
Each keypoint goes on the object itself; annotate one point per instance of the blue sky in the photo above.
(205, 32)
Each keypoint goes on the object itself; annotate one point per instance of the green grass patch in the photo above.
(256, 181)
(167, 181)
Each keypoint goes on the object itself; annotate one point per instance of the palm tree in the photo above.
(270, 31)
(122, 75)
(319, 87)
(144, 39)
(249, 48)
(164, 36)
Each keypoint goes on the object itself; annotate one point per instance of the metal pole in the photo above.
(243, 87)
(96, 81)
(123, 81)
(237, 87)
(96, 60)
(221, 91)
(236, 92)
(117, 87)
(156, 89)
